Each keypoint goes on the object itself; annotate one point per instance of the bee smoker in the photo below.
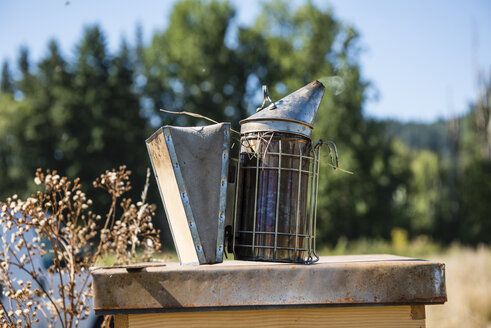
(191, 168)
(277, 180)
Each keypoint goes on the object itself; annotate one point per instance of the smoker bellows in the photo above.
(191, 168)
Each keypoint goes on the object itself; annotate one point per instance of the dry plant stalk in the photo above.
(57, 224)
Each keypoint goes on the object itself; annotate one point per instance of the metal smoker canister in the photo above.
(277, 180)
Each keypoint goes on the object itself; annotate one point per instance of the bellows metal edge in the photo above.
(184, 195)
(156, 173)
(223, 194)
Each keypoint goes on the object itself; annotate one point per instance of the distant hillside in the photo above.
(419, 135)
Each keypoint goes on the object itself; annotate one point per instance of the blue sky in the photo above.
(421, 56)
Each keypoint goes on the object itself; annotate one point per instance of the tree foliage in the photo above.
(84, 114)
(6, 83)
(78, 117)
(189, 65)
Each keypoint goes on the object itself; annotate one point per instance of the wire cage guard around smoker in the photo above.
(276, 198)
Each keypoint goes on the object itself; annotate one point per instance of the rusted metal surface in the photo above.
(133, 267)
(335, 280)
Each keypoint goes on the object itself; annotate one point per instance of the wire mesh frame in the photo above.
(312, 170)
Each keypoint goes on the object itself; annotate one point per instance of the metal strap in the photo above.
(237, 186)
(184, 196)
(223, 195)
(255, 195)
(277, 202)
(298, 198)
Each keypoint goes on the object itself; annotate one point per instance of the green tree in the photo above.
(289, 49)
(425, 190)
(80, 118)
(6, 83)
(190, 67)
(31, 122)
(26, 84)
(474, 182)
(99, 121)
(93, 113)
(475, 189)
(52, 81)
(14, 165)
(127, 128)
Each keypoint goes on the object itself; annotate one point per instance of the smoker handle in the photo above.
(266, 97)
(333, 150)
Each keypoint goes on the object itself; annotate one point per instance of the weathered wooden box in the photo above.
(338, 291)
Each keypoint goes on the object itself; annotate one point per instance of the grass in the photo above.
(419, 247)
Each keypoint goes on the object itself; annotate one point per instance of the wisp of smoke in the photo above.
(334, 83)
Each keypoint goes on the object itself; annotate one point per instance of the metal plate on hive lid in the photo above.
(191, 168)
